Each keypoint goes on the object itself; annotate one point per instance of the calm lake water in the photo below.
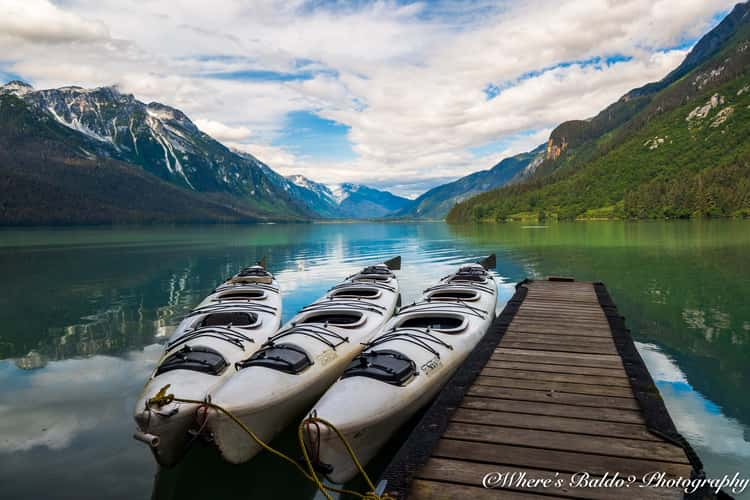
(84, 311)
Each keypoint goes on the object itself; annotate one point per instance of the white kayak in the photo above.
(402, 369)
(283, 379)
(226, 327)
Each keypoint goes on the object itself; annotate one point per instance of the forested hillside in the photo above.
(675, 148)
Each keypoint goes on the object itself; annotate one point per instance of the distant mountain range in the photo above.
(438, 201)
(75, 155)
(675, 148)
(350, 200)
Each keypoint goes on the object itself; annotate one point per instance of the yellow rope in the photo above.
(161, 398)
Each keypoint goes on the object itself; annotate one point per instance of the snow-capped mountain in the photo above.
(347, 200)
(76, 126)
(160, 139)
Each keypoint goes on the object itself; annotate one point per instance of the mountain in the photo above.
(99, 155)
(351, 201)
(671, 149)
(103, 127)
(438, 201)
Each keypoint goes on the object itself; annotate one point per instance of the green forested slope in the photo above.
(682, 151)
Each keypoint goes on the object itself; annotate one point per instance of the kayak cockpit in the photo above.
(391, 367)
(342, 318)
(356, 292)
(287, 358)
(242, 294)
(230, 318)
(445, 323)
(199, 359)
(454, 294)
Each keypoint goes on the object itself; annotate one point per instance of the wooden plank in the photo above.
(571, 290)
(536, 303)
(438, 490)
(546, 385)
(540, 300)
(574, 315)
(563, 319)
(560, 358)
(562, 484)
(554, 321)
(534, 308)
(556, 339)
(523, 329)
(546, 327)
(547, 376)
(553, 288)
(571, 348)
(609, 358)
(562, 298)
(553, 409)
(556, 288)
(554, 291)
(550, 440)
(505, 361)
(561, 324)
(554, 460)
(553, 397)
(547, 423)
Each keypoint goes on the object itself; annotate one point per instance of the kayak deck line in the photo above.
(526, 401)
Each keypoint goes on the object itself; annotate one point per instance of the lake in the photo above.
(84, 311)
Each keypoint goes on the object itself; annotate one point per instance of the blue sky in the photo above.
(396, 94)
(308, 135)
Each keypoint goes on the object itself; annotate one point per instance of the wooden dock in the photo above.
(555, 389)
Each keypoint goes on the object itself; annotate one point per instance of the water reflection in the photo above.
(701, 421)
(89, 307)
(62, 432)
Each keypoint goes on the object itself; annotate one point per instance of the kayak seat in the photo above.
(367, 293)
(287, 358)
(199, 359)
(242, 295)
(385, 365)
(454, 295)
(233, 318)
(436, 322)
(333, 318)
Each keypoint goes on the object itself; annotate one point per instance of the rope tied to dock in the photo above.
(163, 398)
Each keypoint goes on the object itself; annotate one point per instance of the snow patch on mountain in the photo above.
(339, 193)
(16, 87)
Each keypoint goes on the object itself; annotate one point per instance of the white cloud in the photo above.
(48, 410)
(407, 79)
(699, 420)
(282, 160)
(221, 132)
(42, 22)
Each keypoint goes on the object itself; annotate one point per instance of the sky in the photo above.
(393, 94)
